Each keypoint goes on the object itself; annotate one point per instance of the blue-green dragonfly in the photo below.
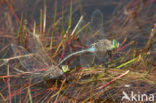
(97, 44)
(38, 62)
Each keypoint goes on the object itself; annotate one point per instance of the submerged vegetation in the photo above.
(81, 51)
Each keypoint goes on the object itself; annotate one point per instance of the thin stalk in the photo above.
(29, 93)
(81, 18)
(41, 21)
(44, 16)
(82, 28)
(70, 20)
(153, 32)
(30, 96)
(52, 37)
(20, 27)
(63, 22)
(128, 62)
(9, 86)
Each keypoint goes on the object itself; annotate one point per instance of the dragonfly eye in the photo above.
(65, 68)
(115, 44)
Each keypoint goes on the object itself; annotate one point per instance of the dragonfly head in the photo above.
(65, 68)
(115, 44)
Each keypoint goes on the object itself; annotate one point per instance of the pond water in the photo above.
(121, 19)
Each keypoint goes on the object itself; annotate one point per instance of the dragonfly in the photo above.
(98, 45)
(39, 63)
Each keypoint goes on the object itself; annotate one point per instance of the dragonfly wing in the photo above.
(84, 33)
(39, 60)
(96, 26)
(37, 47)
(87, 59)
(96, 20)
(94, 30)
(29, 61)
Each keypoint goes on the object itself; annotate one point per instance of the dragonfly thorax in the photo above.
(54, 72)
(103, 45)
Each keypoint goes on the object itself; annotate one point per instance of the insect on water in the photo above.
(39, 63)
(95, 40)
